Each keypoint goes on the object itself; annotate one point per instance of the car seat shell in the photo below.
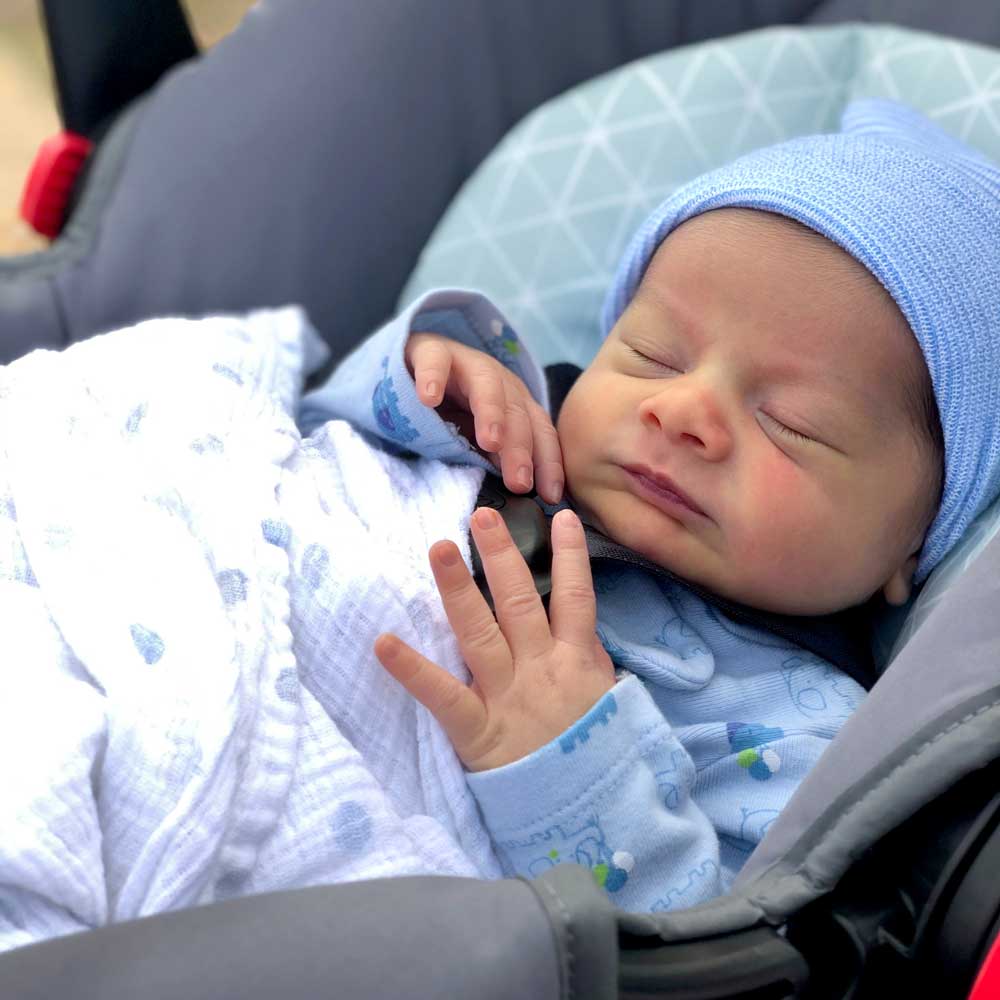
(931, 719)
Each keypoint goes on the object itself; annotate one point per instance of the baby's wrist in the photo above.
(529, 741)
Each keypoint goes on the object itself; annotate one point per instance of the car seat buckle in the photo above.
(50, 182)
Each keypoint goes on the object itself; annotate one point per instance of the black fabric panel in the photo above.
(106, 53)
(973, 20)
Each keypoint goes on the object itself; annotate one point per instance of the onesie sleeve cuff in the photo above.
(374, 391)
(578, 767)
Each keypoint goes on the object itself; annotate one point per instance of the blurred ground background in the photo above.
(27, 108)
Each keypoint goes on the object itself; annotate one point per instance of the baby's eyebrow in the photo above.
(837, 389)
(652, 295)
(837, 412)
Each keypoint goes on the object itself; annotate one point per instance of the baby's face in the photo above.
(762, 372)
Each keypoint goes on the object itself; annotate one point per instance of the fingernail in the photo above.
(556, 491)
(568, 522)
(524, 476)
(448, 555)
(432, 389)
(486, 517)
(495, 433)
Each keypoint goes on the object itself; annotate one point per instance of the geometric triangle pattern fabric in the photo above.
(540, 225)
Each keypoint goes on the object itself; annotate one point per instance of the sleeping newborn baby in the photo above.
(762, 421)
(247, 675)
(759, 422)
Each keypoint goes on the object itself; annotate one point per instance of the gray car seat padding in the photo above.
(32, 314)
(308, 156)
(421, 937)
(932, 718)
(264, 146)
(969, 19)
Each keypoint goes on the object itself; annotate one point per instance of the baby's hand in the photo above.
(530, 681)
(492, 407)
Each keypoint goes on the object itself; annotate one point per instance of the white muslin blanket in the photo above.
(190, 708)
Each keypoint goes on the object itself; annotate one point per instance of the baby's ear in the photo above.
(897, 588)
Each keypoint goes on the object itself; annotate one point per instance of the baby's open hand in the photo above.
(492, 407)
(530, 680)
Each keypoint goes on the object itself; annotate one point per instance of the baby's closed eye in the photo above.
(789, 432)
(646, 361)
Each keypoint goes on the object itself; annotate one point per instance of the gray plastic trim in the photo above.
(905, 783)
(585, 925)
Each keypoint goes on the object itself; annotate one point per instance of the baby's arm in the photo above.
(612, 793)
(567, 764)
(484, 376)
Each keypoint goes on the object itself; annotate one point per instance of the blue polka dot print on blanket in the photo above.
(148, 643)
(352, 827)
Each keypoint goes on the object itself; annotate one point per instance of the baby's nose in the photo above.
(690, 418)
(710, 442)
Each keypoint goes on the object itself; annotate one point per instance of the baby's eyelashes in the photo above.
(787, 431)
(651, 363)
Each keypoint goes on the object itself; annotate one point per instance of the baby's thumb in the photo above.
(431, 361)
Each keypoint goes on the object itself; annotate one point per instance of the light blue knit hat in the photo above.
(921, 210)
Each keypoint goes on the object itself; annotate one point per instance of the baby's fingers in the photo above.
(546, 454)
(457, 708)
(487, 401)
(516, 452)
(431, 361)
(573, 605)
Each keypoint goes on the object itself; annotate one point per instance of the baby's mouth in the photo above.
(662, 491)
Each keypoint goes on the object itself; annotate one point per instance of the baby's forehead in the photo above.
(819, 310)
(794, 276)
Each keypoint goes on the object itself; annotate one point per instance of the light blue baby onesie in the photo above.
(669, 782)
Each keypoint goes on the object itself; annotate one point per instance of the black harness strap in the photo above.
(105, 53)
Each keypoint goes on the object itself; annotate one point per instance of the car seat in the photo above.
(249, 177)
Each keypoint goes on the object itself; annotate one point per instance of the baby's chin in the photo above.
(627, 523)
(645, 534)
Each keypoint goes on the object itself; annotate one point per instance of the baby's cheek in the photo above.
(772, 483)
(780, 516)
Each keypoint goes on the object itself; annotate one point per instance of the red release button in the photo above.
(50, 183)
(987, 984)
